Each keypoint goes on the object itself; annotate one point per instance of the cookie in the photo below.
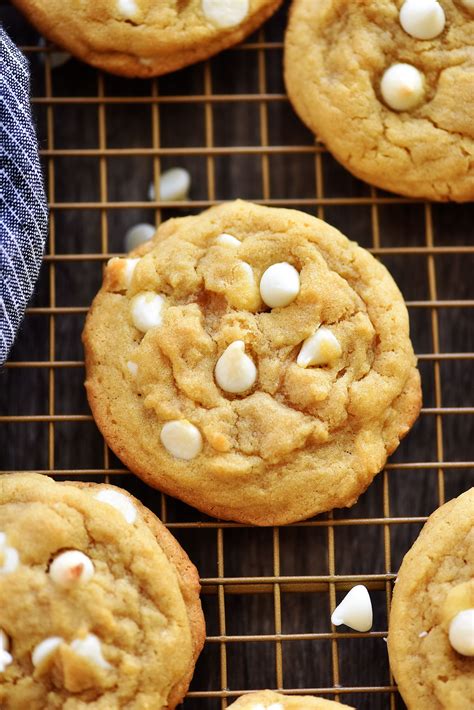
(253, 362)
(143, 38)
(268, 700)
(99, 604)
(389, 88)
(431, 629)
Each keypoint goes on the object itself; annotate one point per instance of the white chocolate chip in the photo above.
(402, 87)
(235, 371)
(279, 285)
(130, 266)
(147, 310)
(9, 558)
(5, 657)
(422, 634)
(469, 4)
(355, 610)
(132, 368)
(248, 271)
(138, 234)
(225, 13)
(275, 706)
(175, 184)
(319, 349)
(258, 706)
(44, 649)
(461, 632)
(119, 501)
(90, 648)
(227, 240)
(242, 292)
(181, 439)
(127, 8)
(71, 568)
(422, 19)
(123, 269)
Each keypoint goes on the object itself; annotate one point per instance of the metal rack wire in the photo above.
(267, 594)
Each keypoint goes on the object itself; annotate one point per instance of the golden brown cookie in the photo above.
(268, 700)
(146, 37)
(99, 603)
(431, 630)
(411, 130)
(251, 412)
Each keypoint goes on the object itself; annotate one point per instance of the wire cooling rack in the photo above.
(267, 593)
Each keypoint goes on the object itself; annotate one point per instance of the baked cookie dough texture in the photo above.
(431, 630)
(389, 88)
(268, 700)
(251, 412)
(99, 604)
(144, 38)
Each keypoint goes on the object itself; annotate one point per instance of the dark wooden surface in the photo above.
(359, 549)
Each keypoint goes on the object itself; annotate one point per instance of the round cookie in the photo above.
(429, 617)
(100, 605)
(143, 38)
(251, 413)
(268, 700)
(410, 131)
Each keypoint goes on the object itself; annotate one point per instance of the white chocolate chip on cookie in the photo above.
(45, 649)
(279, 285)
(422, 19)
(181, 439)
(5, 657)
(146, 309)
(127, 8)
(225, 13)
(129, 268)
(235, 371)
(119, 501)
(355, 610)
(402, 87)
(461, 632)
(9, 557)
(243, 292)
(90, 648)
(132, 367)
(319, 349)
(227, 240)
(71, 568)
(469, 4)
(122, 270)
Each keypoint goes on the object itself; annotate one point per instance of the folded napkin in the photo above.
(23, 208)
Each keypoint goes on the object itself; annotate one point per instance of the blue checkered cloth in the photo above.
(23, 208)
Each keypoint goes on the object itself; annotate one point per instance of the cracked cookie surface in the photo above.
(334, 63)
(300, 439)
(138, 604)
(268, 700)
(142, 38)
(434, 584)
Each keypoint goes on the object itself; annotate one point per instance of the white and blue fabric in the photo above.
(23, 208)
